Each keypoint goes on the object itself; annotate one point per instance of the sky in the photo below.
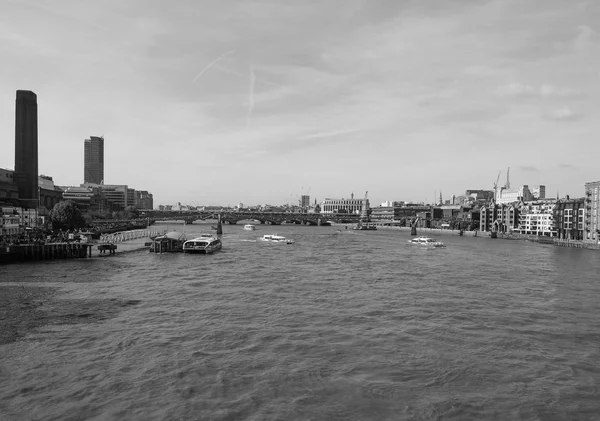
(254, 102)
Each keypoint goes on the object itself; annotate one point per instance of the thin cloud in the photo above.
(515, 89)
(251, 94)
(212, 63)
(332, 133)
(528, 168)
(557, 91)
(53, 10)
(585, 38)
(565, 114)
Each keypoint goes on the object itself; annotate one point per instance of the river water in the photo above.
(341, 325)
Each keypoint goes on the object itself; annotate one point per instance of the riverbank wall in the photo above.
(501, 236)
(35, 252)
(123, 241)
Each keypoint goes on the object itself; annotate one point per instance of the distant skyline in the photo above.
(259, 102)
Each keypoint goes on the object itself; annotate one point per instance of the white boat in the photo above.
(249, 227)
(205, 244)
(426, 242)
(274, 238)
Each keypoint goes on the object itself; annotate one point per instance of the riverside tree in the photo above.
(131, 212)
(66, 215)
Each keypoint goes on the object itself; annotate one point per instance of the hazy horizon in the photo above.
(260, 102)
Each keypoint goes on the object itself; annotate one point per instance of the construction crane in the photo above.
(496, 186)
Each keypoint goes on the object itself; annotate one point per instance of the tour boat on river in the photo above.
(249, 227)
(426, 242)
(274, 238)
(205, 244)
(362, 226)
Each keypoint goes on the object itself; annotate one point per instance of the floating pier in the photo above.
(35, 252)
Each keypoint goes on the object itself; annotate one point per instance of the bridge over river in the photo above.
(233, 217)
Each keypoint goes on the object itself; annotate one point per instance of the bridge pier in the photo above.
(219, 226)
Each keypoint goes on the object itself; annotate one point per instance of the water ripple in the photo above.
(340, 325)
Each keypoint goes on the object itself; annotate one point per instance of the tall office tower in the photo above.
(26, 148)
(93, 164)
(305, 201)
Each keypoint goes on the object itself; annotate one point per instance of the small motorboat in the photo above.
(274, 238)
(426, 242)
(249, 227)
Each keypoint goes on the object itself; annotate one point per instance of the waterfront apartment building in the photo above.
(592, 212)
(537, 218)
(569, 218)
(352, 205)
(499, 217)
(93, 161)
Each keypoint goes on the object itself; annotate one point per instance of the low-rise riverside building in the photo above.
(411, 210)
(48, 194)
(116, 194)
(503, 217)
(88, 199)
(144, 200)
(352, 205)
(9, 191)
(383, 213)
(591, 224)
(9, 221)
(569, 218)
(484, 195)
(506, 196)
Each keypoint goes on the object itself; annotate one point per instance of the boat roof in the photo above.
(172, 235)
(204, 238)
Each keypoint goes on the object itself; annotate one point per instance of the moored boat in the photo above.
(364, 227)
(274, 238)
(426, 242)
(168, 243)
(205, 244)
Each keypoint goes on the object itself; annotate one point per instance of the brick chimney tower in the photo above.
(26, 148)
